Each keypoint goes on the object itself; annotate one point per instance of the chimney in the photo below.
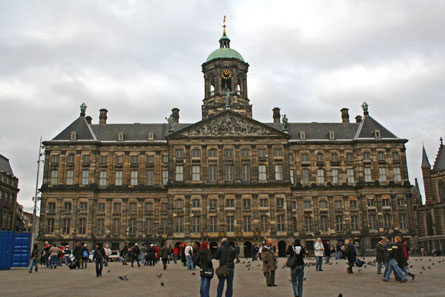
(358, 119)
(89, 119)
(103, 116)
(344, 115)
(175, 115)
(276, 115)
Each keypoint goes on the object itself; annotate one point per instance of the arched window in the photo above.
(429, 224)
(212, 90)
(441, 186)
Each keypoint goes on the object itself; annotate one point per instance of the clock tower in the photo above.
(225, 81)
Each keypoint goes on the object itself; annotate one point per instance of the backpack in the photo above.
(345, 250)
(85, 253)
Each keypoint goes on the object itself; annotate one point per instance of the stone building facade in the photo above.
(431, 214)
(227, 175)
(8, 195)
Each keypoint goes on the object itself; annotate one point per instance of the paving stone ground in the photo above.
(249, 281)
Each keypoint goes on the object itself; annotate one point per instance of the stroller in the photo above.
(72, 262)
(359, 263)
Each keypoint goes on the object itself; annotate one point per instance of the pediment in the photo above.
(228, 124)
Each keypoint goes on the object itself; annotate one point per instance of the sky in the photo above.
(140, 58)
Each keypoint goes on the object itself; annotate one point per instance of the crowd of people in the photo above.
(390, 254)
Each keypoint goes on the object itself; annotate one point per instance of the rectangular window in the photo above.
(386, 202)
(350, 175)
(228, 153)
(228, 172)
(368, 175)
(103, 159)
(178, 204)
(366, 156)
(281, 225)
(396, 156)
(324, 223)
(402, 219)
(85, 177)
(371, 202)
(196, 153)
(134, 159)
(308, 224)
(371, 222)
(164, 206)
(353, 204)
(382, 174)
(132, 226)
(334, 157)
(320, 176)
(179, 224)
(264, 202)
(245, 172)
(381, 156)
(305, 176)
(164, 159)
(134, 177)
(164, 177)
(66, 226)
(49, 225)
(196, 203)
(338, 204)
(116, 227)
(261, 153)
(335, 176)
(196, 173)
(133, 207)
(150, 160)
(85, 158)
(277, 152)
(117, 207)
(247, 223)
(118, 159)
(213, 173)
(148, 226)
(339, 223)
(70, 159)
(304, 158)
(388, 221)
(101, 207)
(83, 206)
(67, 206)
(196, 224)
(397, 175)
(320, 158)
(323, 204)
(278, 172)
(54, 177)
(246, 203)
(295, 224)
(280, 202)
(82, 226)
(230, 225)
(102, 178)
(212, 153)
(307, 204)
(148, 206)
(100, 227)
(230, 203)
(291, 176)
(164, 226)
(213, 203)
(349, 157)
(150, 177)
(401, 202)
(69, 177)
(213, 225)
(179, 154)
(55, 159)
(264, 224)
(291, 159)
(262, 174)
(245, 153)
(354, 223)
(179, 173)
(118, 178)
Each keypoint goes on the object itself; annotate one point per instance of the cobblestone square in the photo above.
(249, 281)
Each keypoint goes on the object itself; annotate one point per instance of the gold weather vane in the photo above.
(224, 26)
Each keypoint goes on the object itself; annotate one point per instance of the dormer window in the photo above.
(331, 135)
(151, 136)
(120, 136)
(377, 134)
(302, 135)
(73, 135)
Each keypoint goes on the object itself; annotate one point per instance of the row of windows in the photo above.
(103, 159)
(6, 196)
(338, 204)
(8, 179)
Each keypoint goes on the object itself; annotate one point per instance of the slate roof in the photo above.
(319, 131)
(439, 164)
(368, 126)
(80, 125)
(425, 162)
(133, 132)
(5, 166)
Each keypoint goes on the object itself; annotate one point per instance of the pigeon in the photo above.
(304, 279)
(162, 284)
(124, 278)
(421, 272)
(359, 270)
(432, 263)
(193, 273)
(364, 266)
(336, 262)
(159, 275)
(340, 295)
(429, 267)
(423, 268)
(109, 271)
(410, 266)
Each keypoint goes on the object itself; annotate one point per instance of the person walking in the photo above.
(98, 257)
(34, 258)
(124, 254)
(350, 251)
(143, 254)
(319, 250)
(77, 255)
(404, 260)
(327, 251)
(269, 263)
(175, 254)
(107, 251)
(237, 252)
(297, 272)
(189, 256)
(395, 256)
(226, 256)
(204, 261)
(53, 252)
(165, 253)
(135, 251)
(67, 254)
(380, 255)
(46, 253)
(85, 254)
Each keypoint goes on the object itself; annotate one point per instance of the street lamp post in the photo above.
(34, 215)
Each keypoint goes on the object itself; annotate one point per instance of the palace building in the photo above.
(226, 175)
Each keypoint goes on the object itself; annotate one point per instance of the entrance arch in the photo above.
(247, 249)
(282, 249)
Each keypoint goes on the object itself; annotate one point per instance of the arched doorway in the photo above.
(247, 249)
(213, 247)
(282, 249)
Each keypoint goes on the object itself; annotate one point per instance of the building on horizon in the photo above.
(8, 195)
(226, 175)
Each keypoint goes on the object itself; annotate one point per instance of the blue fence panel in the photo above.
(21, 249)
(5, 249)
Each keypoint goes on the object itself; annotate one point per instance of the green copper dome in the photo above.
(224, 53)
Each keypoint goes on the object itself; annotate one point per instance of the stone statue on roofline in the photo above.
(285, 121)
(228, 98)
(170, 121)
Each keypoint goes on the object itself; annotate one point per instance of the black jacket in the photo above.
(299, 257)
(78, 252)
(380, 253)
(136, 251)
(401, 257)
(164, 253)
(226, 255)
(204, 260)
(99, 254)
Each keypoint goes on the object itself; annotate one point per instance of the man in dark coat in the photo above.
(226, 256)
(327, 251)
(124, 253)
(380, 255)
(135, 251)
(351, 254)
(77, 253)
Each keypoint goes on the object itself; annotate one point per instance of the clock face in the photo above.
(226, 74)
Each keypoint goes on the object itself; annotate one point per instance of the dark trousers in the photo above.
(99, 266)
(164, 261)
(270, 277)
(137, 261)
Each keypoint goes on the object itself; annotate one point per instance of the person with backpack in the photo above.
(350, 252)
(98, 257)
(204, 260)
(34, 257)
(395, 256)
(297, 251)
(85, 254)
(226, 256)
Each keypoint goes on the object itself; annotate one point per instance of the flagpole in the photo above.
(34, 215)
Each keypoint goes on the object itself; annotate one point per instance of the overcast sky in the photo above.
(139, 59)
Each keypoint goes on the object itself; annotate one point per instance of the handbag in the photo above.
(223, 270)
(207, 273)
(291, 261)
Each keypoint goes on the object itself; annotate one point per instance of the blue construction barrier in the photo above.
(14, 249)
